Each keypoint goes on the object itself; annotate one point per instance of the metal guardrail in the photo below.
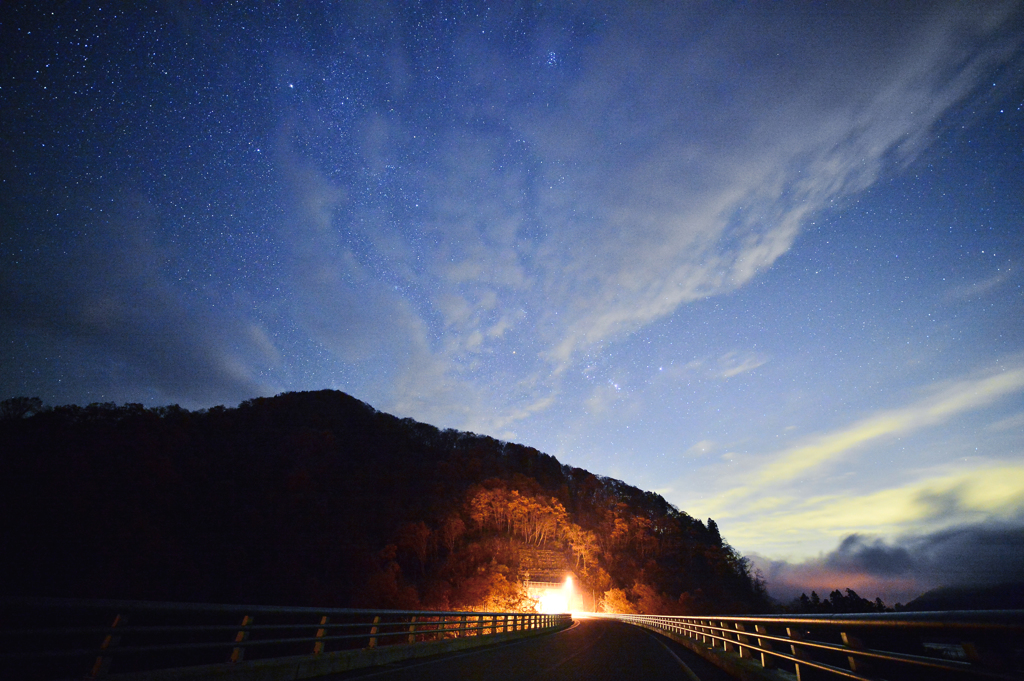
(925, 645)
(44, 639)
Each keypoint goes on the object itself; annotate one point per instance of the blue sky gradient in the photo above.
(765, 260)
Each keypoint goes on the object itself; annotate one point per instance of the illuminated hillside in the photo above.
(317, 498)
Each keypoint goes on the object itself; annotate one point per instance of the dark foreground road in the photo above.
(592, 649)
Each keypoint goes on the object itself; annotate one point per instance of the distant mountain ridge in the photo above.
(1008, 596)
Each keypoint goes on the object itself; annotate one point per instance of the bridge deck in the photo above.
(592, 649)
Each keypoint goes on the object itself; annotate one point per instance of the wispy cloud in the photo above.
(452, 226)
(980, 288)
(849, 480)
(701, 448)
(634, 187)
(119, 298)
(961, 396)
(735, 363)
(799, 523)
(1010, 423)
(681, 216)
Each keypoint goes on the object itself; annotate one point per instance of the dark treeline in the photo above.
(318, 499)
(837, 603)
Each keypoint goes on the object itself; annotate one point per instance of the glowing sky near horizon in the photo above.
(762, 259)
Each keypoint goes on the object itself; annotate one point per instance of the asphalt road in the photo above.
(592, 649)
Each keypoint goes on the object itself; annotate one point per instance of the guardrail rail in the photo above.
(48, 639)
(905, 645)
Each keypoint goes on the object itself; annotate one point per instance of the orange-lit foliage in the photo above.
(534, 519)
(615, 601)
(493, 592)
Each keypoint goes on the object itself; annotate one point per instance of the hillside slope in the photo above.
(317, 498)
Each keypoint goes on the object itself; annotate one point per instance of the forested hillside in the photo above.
(317, 498)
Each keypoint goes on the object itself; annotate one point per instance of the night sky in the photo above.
(766, 259)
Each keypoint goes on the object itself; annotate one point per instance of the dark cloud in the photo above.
(992, 553)
(859, 554)
(899, 570)
(117, 305)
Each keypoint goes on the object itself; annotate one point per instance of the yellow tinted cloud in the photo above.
(961, 397)
(952, 498)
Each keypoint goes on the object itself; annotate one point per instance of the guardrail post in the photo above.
(318, 647)
(857, 664)
(745, 652)
(412, 629)
(799, 652)
(110, 641)
(238, 653)
(373, 632)
(767, 661)
(462, 627)
(727, 635)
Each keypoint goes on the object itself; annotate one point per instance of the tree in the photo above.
(491, 591)
(616, 602)
(649, 601)
(582, 543)
(451, 531)
(17, 408)
(716, 536)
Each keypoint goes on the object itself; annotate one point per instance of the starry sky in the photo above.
(762, 258)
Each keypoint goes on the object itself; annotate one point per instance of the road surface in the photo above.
(592, 649)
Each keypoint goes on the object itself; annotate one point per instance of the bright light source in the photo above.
(556, 600)
(552, 602)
